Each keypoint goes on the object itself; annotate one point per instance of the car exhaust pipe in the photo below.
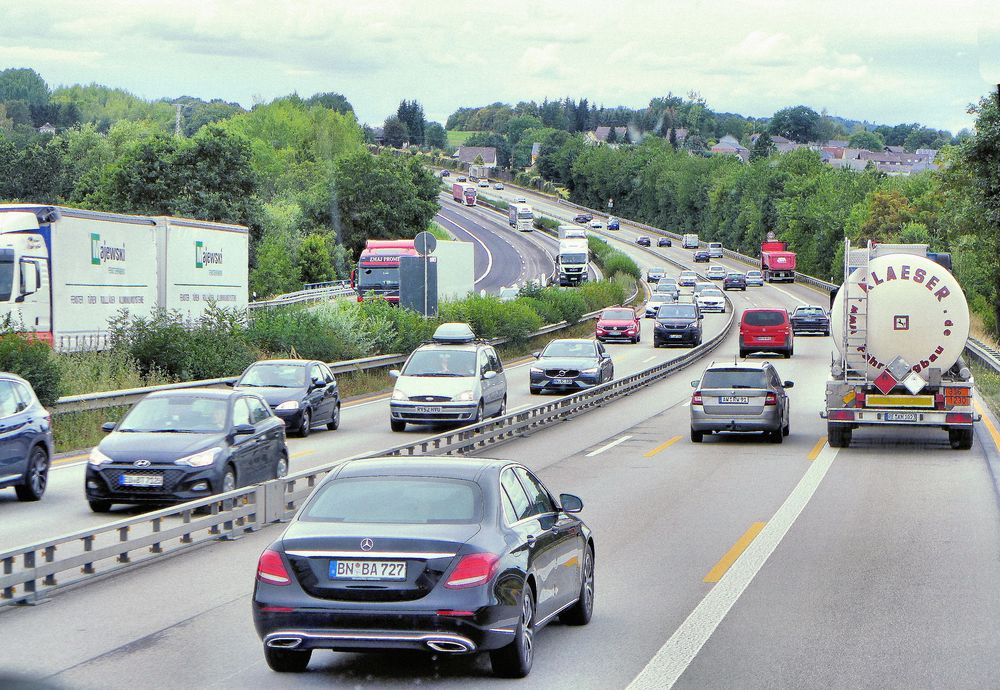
(449, 646)
(284, 642)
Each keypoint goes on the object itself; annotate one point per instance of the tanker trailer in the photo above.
(900, 322)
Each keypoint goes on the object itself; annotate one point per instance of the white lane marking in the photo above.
(608, 446)
(649, 359)
(687, 404)
(786, 292)
(489, 254)
(669, 664)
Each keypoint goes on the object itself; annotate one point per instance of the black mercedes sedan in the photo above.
(303, 393)
(182, 445)
(451, 555)
(570, 365)
(810, 319)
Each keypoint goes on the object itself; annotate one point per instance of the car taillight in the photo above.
(473, 570)
(771, 399)
(696, 399)
(271, 569)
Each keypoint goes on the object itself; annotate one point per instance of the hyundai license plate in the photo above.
(562, 382)
(900, 416)
(140, 480)
(367, 570)
(428, 410)
(734, 400)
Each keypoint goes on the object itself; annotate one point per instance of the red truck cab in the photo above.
(619, 323)
(378, 268)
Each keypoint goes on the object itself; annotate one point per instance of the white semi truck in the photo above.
(521, 217)
(572, 260)
(65, 272)
(900, 323)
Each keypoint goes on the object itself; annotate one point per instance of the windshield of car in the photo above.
(275, 375)
(618, 314)
(734, 378)
(182, 414)
(441, 363)
(676, 311)
(569, 348)
(397, 500)
(764, 318)
(668, 281)
(687, 274)
(711, 292)
(810, 311)
(754, 274)
(659, 297)
(657, 269)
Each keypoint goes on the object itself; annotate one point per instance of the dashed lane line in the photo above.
(609, 446)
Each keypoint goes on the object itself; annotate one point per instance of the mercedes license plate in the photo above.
(562, 382)
(428, 410)
(734, 399)
(141, 480)
(900, 416)
(367, 570)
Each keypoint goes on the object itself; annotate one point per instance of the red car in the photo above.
(619, 323)
(766, 330)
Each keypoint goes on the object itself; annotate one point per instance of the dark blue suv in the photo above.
(25, 439)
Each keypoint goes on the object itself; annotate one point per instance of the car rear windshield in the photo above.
(618, 314)
(398, 500)
(734, 378)
(764, 318)
(676, 311)
(809, 311)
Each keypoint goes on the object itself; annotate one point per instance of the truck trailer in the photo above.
(776, 262)
(900, 323)
(66, 272)
(521, 217)
(464, 193)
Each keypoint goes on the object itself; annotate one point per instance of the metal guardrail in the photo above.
(29, 573)
(323, 292)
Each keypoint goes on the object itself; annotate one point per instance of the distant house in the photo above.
(729, 145)
(47, 128)
(781, 144)
(378, 135)
(470, 154)
(895, 149)
(889, 162)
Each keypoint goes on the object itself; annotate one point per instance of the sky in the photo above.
(885, 61)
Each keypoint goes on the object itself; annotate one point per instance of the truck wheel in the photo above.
(838, 435)
(960, 439)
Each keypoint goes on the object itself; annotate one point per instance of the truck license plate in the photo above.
(900, 416)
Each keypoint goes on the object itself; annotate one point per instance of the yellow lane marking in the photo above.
(716, 573)
(70, 458)
(300, 453)
(814, 453)
(572, 562)
(663, 446)
(989, 425)
(370, 398)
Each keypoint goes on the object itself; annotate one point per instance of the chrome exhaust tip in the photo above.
(284, 642)
(449, 646)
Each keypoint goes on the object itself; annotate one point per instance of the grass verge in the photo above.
(988, 386)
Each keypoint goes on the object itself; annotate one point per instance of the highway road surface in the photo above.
(731, 563)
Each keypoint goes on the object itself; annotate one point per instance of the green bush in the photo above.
(546, 223)
(34, 361)
(392, 329)
(617, 263)
(491, 318)
(603, 293)
(570, 305)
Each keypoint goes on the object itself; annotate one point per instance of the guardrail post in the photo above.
(50, 579)
(123, 557)
(156, 548)
(30, 586)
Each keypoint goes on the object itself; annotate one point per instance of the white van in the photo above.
(715, 250)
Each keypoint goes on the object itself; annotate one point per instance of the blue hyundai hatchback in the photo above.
(25, 439)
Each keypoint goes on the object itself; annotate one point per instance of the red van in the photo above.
(766, 330)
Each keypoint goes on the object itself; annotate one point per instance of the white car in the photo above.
(715, 273)
(596, 224)
(508, 294)
(520, 200)
(711, 299)
(498, 186)
(655, 274)
(755, 279)
(484, 183)
(454, 379)
(687, 279)
(655, 300)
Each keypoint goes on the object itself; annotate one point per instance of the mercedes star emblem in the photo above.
(141, 463)
(367, 544)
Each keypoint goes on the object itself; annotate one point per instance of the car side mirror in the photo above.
(570, 503)
(788, 384)
(318, 383)
(701, 316)
(394, 373)
(536, 355)
(244, 429)
(231, 383)
(489, 375)
(108, 427)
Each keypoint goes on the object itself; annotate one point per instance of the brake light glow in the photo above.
(473, 570)
(958, 418)
(696, 399)
(271, 569)
(448, 612)
(842, 415)
(771, 399)
(277, 609)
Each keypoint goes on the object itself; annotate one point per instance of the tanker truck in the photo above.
(900, 322)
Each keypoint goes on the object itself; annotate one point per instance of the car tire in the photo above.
(36, 476)
(743, 353)
(960, 439)
(397, 425)
(838, 435)
(514, 660)
(334, 422)
(480, 413)
(287, 660)
(826, 332)
(534, 391)
(581, 612)
(775, 436)
(306, 426)
(503, 408)
(697, 436)
(99, 506)
(787, 354)
(787, 429)
(281, 467)
(228, 480)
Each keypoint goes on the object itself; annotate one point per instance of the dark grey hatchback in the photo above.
(176, 446)
(446, 555)
(302, 393)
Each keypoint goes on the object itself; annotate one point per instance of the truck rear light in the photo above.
(842, 415)
(271, 569)
(771, 399)
(958, 418)
(939, 401)
(473, 570)
(696, 399)
(859, 399)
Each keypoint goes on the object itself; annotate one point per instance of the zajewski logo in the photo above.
(203, 257)
(102, 251)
